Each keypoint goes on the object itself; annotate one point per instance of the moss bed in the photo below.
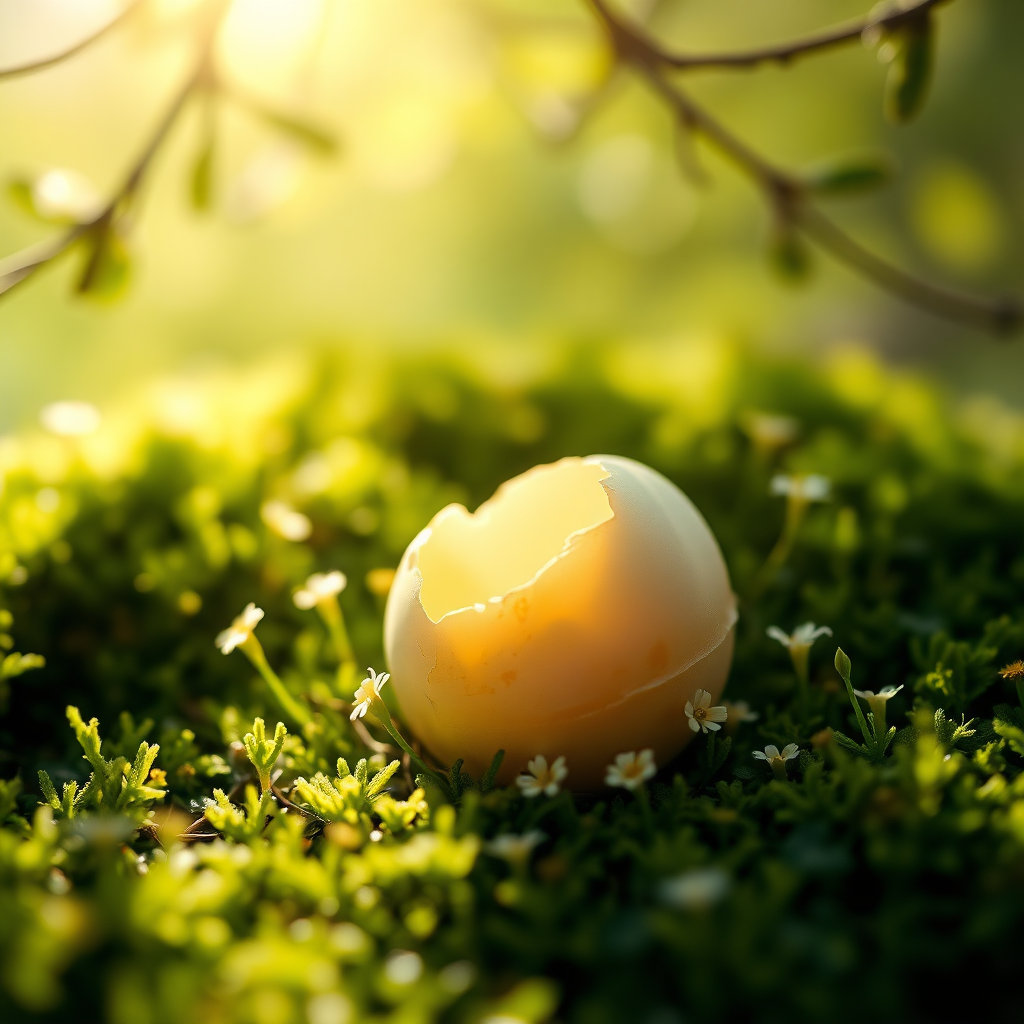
(869, 884)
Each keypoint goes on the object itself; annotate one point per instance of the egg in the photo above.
(573, 614)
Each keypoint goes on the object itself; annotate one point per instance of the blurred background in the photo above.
(478, 201)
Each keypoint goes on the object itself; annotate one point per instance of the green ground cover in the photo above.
(885, 882)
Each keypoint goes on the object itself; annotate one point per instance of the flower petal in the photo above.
(718, 714)
(771, 751)
(776, 634)
(789, 751)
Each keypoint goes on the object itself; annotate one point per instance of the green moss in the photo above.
(842, 891)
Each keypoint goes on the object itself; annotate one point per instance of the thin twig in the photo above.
(58, 58)
(789, 198)
(20, 266)
(783, 53)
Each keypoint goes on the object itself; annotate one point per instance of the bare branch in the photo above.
(19, 267)
(784, 53)
(789, 198)
(1000, 316)
(58, 58)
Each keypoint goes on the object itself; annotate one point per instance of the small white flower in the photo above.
(367, 692)
(694, 890)
(803, 636)
(515, 848)
(771, 752)
(631, 770)
(702, 716)
(70, 419)
(320, 587)
(886, 693)
(812, 487)
(777, 761)
(541, 778)
(740, 711)
(285, 521)
(768, 430)
(876, 701)
(240, 630)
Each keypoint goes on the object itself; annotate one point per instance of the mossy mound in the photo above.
(848, 884)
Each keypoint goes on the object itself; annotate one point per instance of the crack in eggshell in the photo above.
(484, 520)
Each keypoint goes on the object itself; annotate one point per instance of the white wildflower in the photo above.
(368, 691)
(876, 701)
(803, 636)
(321, 586)
(776, 760)
(768, 430)
(70, 419)
(799, 643)
(285, 521)
(540, 778)
(515, 848)
(631, 770)
(740, 711)
(702, 716)
(694, 890)
(240, 630)
(812, 487)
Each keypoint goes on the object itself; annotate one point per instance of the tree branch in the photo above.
(58, 58)
(19, 267)
(788, 194)
(784, 53)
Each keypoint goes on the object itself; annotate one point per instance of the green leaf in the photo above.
(201, 180)
(849, 175)
(381, 779)
(49, 790)
(311, 135)
(789, 254)
(108, 265)
(910, 72)
(263, 753)
(9, 791)
(19, 191)
(487, 782)
(15, 664)
(455, 777)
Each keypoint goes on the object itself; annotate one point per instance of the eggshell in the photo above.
(573, 614)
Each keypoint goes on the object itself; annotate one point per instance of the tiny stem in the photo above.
(796, 507)
(861, 721)
(800, 655)
(288, 704)
(878, 710)
(645, 809)
(334, 620)
(384, 717)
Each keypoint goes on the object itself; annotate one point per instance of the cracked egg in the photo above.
(574, 613)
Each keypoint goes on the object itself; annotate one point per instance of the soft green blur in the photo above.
(457, 214)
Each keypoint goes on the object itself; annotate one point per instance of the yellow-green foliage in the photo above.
(197, 870)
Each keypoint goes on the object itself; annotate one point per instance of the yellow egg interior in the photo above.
(473, 559)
